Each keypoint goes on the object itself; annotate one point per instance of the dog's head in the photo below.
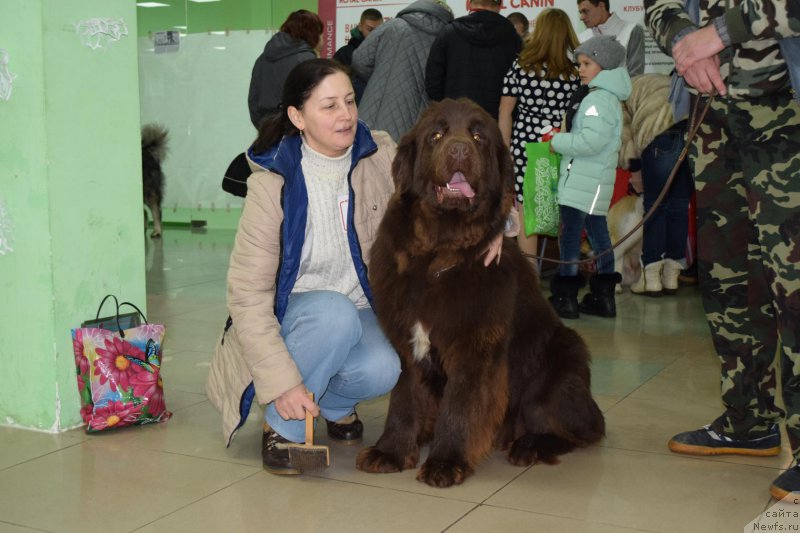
(455, 159)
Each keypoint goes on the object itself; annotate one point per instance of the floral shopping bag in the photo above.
(539, 190)
(118, 364)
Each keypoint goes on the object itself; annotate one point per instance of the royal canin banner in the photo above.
(340, 16)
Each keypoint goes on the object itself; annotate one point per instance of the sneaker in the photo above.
(706, 441)
(786, 483)
(275, 454)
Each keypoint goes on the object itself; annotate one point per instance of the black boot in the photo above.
(600, 300)
(349, 433)
(565, 294)
(275, 454)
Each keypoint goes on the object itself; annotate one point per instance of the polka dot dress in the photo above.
(540, 102)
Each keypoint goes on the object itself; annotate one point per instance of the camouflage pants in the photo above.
(746, 162)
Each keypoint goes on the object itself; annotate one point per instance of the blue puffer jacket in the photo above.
(589, 151)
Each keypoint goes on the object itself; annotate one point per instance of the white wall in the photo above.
(200, 94)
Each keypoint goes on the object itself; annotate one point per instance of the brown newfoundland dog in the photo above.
(486, 361)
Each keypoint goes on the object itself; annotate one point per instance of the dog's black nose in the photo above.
(458, 151)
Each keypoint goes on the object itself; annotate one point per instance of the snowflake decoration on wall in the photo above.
(6, 78)
(101, 32)
(6, 229)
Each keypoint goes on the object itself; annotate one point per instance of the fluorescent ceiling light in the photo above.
(203, 1)
(180, 27)
(219, 48)
(218, 33)
(151, 4)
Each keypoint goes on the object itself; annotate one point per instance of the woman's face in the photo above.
(329, 116)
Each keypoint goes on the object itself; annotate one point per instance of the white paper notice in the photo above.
(167, 41)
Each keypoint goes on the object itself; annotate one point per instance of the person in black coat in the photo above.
(370, 19)
(471, 55)
(298, 40)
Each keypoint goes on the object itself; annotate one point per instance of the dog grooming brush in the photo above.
(308, 456)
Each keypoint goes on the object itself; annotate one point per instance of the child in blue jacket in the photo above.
(589, 153)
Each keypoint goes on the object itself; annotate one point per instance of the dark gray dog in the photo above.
(154, 150)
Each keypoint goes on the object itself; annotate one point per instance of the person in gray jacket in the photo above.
(298, 40)
(392, 58)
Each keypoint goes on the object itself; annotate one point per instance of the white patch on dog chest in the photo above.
(420, 342)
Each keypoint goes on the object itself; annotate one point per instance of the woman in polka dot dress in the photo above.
(536, 91)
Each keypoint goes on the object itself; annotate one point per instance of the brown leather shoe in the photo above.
(351, 433)
(275, 454)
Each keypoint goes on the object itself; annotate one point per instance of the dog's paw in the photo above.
(443, 473)
(375, 461)
(534, 449)
(521, 454)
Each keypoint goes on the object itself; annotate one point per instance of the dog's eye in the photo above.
(477, 136)
(437, 136)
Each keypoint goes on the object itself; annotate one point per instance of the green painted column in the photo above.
(70, 192)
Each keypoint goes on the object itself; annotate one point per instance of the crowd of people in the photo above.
(299, 299)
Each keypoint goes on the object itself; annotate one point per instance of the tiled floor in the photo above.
(654, 374)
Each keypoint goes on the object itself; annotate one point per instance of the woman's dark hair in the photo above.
(304, 25)
(299, 84)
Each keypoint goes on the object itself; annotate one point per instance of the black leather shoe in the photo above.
(275, 454)
(346, 433)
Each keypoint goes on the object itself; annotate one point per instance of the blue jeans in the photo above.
(666, 230)
(572, 223)
(340, 351)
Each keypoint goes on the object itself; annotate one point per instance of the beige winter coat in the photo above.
(252, 350)
(646, 113)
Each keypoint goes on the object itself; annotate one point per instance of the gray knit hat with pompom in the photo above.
(603, 50)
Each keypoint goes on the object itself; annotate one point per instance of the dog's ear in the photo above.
(505, 163)
(404, 162)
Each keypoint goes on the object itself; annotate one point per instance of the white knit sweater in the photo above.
(326, 262)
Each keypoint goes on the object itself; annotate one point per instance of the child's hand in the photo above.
(552, 151)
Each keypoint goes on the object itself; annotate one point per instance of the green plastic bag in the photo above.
(539, 190)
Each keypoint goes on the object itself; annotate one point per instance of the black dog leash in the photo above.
(695, 126)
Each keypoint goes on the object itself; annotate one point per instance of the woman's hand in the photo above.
(494, 250)
(293, 404)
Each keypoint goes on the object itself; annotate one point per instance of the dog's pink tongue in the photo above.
(459, 182)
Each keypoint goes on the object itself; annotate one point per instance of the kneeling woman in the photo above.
(298, 296)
